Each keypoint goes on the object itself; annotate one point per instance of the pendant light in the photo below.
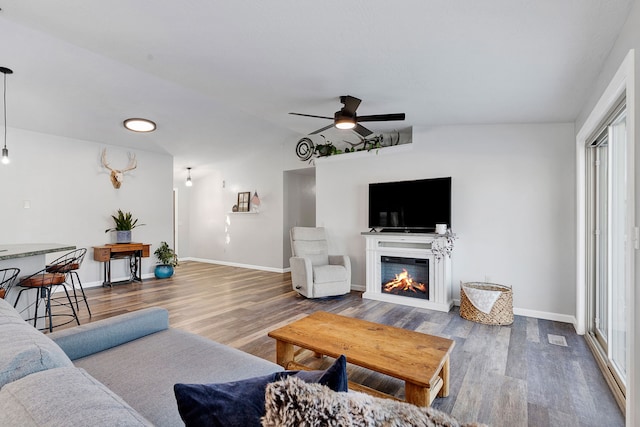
(189, 183)
(5, 151)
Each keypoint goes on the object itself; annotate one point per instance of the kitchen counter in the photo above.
(23, 250)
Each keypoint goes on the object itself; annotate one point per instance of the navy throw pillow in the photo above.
(241, 403)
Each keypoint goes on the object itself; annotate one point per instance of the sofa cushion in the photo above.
(24, 349)
(241, 403)
(291, 403)
(64, 397)
(158, 361)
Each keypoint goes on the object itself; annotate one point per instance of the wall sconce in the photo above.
(5, 151)
(255, 201)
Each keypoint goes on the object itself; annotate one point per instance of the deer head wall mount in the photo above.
(117, 175)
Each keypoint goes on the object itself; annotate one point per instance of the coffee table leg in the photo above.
(444, 374)
(284, 353)
(416, 394)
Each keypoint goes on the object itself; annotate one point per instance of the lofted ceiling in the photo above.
(220, 77)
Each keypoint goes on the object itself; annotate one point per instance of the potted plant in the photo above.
(167, 259)
(124, 224)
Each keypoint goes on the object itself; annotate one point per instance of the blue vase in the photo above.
(163, 271)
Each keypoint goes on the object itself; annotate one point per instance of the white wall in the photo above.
(71, 196)
(215, 234)
(512, 205)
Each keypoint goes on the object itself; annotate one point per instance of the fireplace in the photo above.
(408, 269)
(407, 277)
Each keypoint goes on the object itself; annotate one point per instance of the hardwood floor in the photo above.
(518, 375)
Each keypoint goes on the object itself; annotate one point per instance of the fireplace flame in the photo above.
(404, 282)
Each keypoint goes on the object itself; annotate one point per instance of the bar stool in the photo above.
(8, 277)
(69, 264)
(45, 282)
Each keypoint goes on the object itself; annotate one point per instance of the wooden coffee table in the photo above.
(420, 360)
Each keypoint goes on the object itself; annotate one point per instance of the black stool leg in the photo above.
(82, 290)
(73, 286)
(73, 310)
(46, 290)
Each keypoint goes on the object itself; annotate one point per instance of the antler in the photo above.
(104, 160)
(133, 163)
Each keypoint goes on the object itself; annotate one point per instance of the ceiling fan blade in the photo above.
(381, 117)
(363, 131)
(351, 104)
(321, 129)
(311, 115)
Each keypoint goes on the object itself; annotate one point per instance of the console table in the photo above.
(133, 251)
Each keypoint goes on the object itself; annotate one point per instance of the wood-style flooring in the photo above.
(531, 373)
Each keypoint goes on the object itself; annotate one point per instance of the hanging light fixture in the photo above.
(5, 151)
(189, 183)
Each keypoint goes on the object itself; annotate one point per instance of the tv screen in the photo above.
(416, 205)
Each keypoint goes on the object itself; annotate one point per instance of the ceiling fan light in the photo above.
(344, 121)
(139, 125)
(345, 124)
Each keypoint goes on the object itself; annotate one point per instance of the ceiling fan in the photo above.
(346, 117)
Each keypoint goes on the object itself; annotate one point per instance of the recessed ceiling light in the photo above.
(140, 125)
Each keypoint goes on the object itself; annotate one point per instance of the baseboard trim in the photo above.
(544, 315)
(236, 264)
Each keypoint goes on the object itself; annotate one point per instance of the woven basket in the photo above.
(502, 311)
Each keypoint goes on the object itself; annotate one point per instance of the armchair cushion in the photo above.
(310, 243)
(329, 273)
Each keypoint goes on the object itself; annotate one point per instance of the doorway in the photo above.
(299, 198)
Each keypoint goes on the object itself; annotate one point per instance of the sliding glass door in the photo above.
(609, 280)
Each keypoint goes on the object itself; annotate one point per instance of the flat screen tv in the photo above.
(412, 206)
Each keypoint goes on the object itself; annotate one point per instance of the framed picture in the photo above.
(243, 201)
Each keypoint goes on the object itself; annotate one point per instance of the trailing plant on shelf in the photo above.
(443, 245)
(166, 255)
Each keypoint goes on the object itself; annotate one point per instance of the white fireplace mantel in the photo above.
(410, 245)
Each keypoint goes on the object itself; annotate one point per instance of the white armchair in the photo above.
(315, 273)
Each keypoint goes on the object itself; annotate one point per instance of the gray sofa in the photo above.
(114, 372)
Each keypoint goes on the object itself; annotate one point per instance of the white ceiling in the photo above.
(220, 77)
